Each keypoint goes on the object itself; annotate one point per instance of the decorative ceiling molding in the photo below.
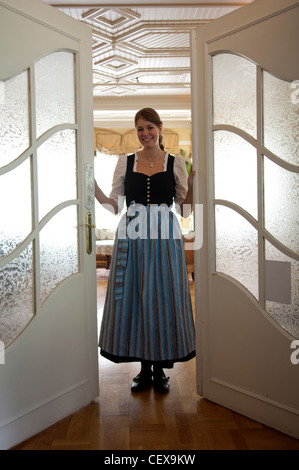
(116, 62)
(110, 17)
(143, 3)
(125, 40)
(141, 52)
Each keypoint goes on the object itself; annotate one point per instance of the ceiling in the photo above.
(141, 54)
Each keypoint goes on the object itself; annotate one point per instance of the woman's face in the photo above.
(147, 133)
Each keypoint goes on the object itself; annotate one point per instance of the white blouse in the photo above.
(179, 170)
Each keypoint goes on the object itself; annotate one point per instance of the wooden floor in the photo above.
(179, 420)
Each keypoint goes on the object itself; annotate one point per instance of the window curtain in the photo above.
(107, 141)
(117, 143)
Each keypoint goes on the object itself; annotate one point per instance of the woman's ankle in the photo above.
(146, 367)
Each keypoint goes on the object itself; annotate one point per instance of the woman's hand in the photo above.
(190, 178)
(106, 202)
(187, 206)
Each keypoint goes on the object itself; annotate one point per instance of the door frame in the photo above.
(33, 400)
(284, 418)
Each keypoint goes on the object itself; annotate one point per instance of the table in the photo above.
(104, 250)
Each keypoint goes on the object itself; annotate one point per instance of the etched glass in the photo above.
(14, 118)
(286, 315)
(57, 170)
(58, 250)
(236, 248)
(236, 181)
(55, 91)
(281, 192)
(235, 168)
(17, 296)
(281, 118)
(15, 207)
(234, 92)
(56, 246)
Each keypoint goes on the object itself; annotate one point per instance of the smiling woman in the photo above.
(110, 146)
(149, 133)
(148, 315)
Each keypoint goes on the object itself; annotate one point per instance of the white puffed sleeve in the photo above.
(181, 179)
(118, 182)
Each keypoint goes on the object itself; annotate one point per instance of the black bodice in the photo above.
(156, 189)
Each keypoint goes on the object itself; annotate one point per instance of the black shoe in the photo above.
(161, 382)
(141, 381)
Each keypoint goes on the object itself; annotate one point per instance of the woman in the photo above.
(147, 315)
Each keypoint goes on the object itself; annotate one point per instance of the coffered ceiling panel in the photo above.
(132, 45)
(142, 51)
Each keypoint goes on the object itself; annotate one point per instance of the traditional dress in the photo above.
(148, 313)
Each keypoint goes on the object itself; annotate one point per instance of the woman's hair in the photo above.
(149, 114)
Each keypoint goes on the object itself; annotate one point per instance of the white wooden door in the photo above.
(48, 326)
(245, 124)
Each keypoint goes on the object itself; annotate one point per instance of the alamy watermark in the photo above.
(295, 354)
(159, 222)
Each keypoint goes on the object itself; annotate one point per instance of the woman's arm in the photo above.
(188, 202)
(114, 203)
(106, 202)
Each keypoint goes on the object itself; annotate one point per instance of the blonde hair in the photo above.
(149, 114)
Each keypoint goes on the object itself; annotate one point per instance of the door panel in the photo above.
(247, 272)
(48, 314)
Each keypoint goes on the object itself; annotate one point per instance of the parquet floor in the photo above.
(179, 420)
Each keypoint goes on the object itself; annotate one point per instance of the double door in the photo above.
(245, 147)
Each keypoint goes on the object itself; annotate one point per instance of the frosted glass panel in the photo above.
(281, 119)
(14, 124)
(15, 207)
(55, 90)
(281, 204)
(234, 92)
(17, 296)
(56, 246)
(57, 171)
(235, 171)
(287, 315)
(236, 248)
(58, 250)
